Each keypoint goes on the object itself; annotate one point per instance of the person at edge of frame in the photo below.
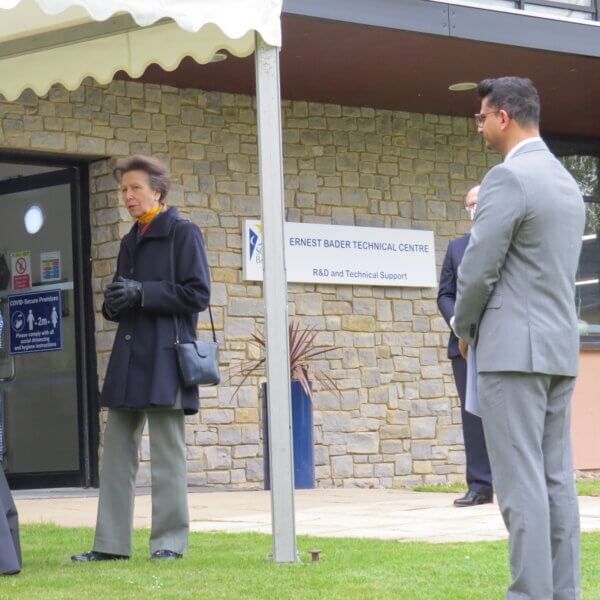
(478, 470)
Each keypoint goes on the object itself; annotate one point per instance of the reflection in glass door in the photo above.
(43, 425)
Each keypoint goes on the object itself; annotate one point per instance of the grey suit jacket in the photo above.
(516, 282)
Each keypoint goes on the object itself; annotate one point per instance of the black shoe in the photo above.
(472, 498)
(165, 554)
(92, 556)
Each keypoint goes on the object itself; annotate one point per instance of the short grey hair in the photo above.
(158, 174)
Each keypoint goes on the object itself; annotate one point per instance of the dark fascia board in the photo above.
(452, 20)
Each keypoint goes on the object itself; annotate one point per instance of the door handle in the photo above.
(13, 371)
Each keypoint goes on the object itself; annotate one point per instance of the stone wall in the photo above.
(398, 422)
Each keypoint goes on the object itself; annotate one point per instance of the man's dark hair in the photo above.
(158, 174)
(516, 95)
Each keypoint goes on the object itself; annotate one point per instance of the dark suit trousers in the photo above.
(479, 473)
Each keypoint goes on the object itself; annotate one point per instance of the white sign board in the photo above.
(346, 255)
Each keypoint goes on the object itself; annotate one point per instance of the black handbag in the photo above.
(198, 361)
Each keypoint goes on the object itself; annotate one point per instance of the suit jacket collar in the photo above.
(159, 228)
(534, 146)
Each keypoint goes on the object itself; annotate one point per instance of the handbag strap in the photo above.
(172, 263)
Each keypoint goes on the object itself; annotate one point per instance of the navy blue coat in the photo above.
(142, 371)
(447, 290)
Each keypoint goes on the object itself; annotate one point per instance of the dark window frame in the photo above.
(569, 146)
(88, 390)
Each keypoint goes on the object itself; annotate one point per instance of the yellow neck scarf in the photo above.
(149, 216)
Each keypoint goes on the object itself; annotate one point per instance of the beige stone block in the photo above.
(359, 323)
(391, 446)
(423, 427)
(230, 436)
(363, 443)
(431, 388)
(394, 432)
(451, 435)
(342, 466)
(225, 275)
(216, 416)
(246, 307)
(48, 141)
(322, 472)
(309, 304)
(403, 464)
(365, 470)
(422, 467)
(246, 415)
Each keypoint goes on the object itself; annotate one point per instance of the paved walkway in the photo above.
(383, 514)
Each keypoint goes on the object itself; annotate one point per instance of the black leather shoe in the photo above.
(165, 555)
(93, 556)
(472, 498)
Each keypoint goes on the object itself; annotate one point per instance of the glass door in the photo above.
(44, 425)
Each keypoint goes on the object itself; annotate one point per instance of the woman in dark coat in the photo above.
(142, 380)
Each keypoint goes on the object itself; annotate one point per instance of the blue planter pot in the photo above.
(302, 435)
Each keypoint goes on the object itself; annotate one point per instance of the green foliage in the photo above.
(587, 487)
(449, 488)
(234, 567)
(586, 171)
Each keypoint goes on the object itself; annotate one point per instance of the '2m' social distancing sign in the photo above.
(346, 255)
(35, 322)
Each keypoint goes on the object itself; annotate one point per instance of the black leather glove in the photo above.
(122, 295)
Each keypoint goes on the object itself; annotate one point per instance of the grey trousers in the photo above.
(526, 419)
(170, 516)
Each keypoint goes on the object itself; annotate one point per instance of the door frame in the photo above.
(75, 171)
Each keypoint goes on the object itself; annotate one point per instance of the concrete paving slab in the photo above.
(362, 513)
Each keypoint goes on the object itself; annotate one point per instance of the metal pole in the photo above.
(276, 302)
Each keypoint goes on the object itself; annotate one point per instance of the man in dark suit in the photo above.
(479, 474)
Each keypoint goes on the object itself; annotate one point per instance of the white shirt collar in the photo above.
(530, 140)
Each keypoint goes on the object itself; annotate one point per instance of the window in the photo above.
(581, 9)
(585, 168)
(552, 11)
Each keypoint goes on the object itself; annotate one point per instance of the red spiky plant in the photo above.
(302, 349)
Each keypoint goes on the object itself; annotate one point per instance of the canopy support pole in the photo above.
(268, 97)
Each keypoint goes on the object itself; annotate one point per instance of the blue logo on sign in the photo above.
(253, 241)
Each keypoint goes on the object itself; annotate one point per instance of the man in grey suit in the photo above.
(516, 304)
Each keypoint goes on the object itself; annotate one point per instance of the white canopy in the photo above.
(43, 42)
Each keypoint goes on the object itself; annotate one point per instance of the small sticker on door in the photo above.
(21, 270)
(50, 266)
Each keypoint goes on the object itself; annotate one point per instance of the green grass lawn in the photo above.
(587, 487)
(234, 567)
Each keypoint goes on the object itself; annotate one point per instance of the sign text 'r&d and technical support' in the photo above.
(346, 255)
